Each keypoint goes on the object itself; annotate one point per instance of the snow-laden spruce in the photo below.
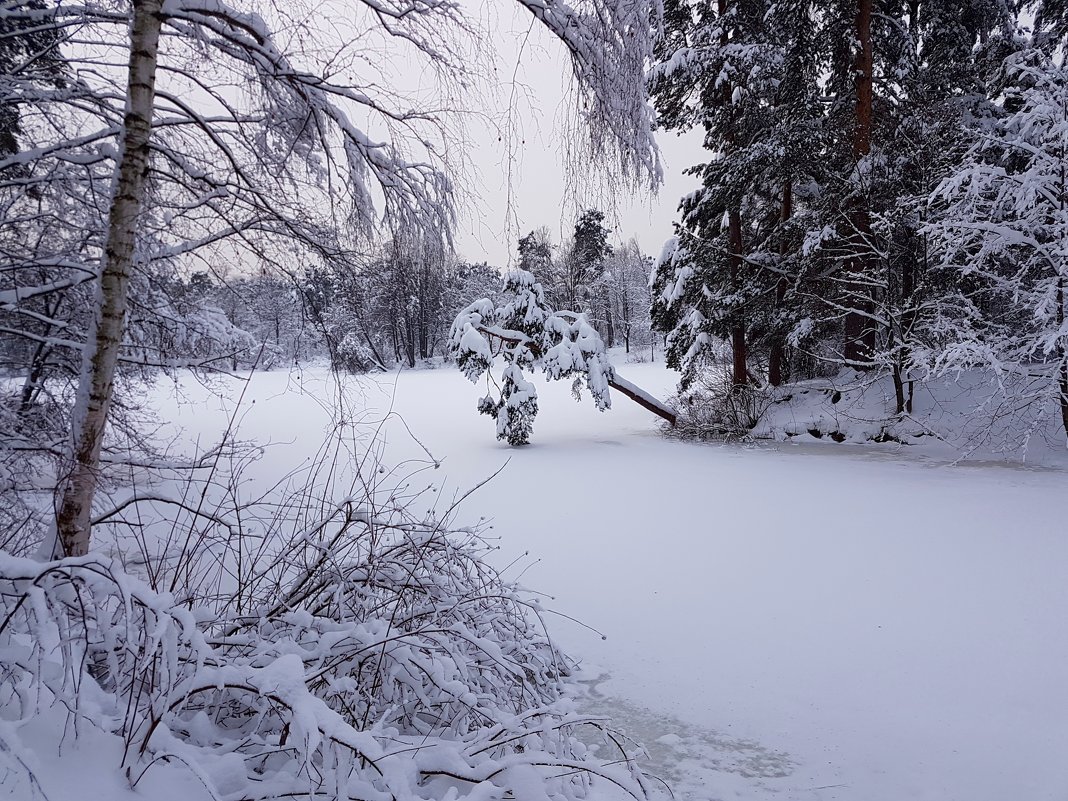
(1000, 221)
(525, 333)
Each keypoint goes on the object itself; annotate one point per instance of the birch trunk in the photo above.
(106, 330)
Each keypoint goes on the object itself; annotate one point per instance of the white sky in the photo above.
(540, 195)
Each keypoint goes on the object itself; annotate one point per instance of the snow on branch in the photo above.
(369, 658)
(302, 105)
(611, 46)
(526, 333)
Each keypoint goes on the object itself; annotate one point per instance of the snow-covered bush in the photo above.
(354, 356)
(525, 332)
(371, 656)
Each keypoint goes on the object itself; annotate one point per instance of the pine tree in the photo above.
(586, 291)
(725, 276)
(528, 334)
(30, 61)
(828, 125)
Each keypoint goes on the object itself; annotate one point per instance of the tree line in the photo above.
(393, 309)
(884, 191)
(391, 306)
(586, 275)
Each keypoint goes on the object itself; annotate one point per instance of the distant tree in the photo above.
(536, 255)
(625, 286)
(407, 281)
(467, 280)
(586, 265)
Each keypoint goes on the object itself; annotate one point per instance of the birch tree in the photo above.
(106, 329)
(200, 176)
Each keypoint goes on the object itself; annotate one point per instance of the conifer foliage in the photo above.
(527, 334)
(1000, 222)
(882, 194)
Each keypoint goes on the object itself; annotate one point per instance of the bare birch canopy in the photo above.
(304, 140)
(246, 138)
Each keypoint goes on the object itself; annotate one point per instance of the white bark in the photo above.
(101, 353)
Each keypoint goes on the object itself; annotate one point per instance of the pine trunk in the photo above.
(859, 330)
(778, 344)
(739, 373)
(738, 346)
(106, 330)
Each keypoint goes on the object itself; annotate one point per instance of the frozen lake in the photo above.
(774, 626)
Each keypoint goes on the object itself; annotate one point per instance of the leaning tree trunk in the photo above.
(859, 331)
(1062, 382)
(1062, 385)
(105, 333)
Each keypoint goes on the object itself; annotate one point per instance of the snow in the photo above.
(64, 772)
(862, 623)
(784, 621)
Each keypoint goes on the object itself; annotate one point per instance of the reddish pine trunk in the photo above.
(778, 344)
(859, 328)
(740, 374)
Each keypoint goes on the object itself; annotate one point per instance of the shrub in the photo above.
(368, 655)
(713, 408)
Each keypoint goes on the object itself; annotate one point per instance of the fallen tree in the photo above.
(528, 334)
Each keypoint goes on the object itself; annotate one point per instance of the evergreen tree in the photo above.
(527, 333)
(536, 257)
(30, 62)
(585, 287)
(746, 74)
(827, 124)
(1001, 225)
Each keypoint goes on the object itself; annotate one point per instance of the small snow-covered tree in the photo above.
(526, 333)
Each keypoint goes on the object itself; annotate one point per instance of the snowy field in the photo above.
(790, 621)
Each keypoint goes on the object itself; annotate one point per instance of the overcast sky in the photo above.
(540, 195)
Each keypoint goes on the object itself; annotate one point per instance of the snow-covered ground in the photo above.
(781, 621)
